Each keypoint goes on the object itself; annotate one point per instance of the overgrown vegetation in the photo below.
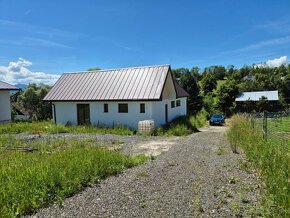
(271, 160)
(184, 125)
(181, 126)
(47, 127)
(58, 169)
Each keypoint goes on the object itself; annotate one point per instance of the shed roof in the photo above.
(180, 92)
(7, 86)
(133, 83)
(257, 96)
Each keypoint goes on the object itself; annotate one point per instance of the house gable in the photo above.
(169, 91)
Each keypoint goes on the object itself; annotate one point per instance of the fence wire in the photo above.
(275, 126)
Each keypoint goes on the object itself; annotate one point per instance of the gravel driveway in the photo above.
(198, 176)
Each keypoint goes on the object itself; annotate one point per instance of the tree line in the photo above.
(214, 89)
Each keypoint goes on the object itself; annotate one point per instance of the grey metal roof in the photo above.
(7, 86)
(256, 96)
(134, 83)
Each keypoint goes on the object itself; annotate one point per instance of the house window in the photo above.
(142, 108)
(123, 108)
(178, 103)
(106, 108)
(172, 104)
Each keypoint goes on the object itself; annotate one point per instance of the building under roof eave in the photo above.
(5, 107)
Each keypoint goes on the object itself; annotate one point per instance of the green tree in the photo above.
(31, 101)
(93, 69)
(226, 97)
(188, 81)
(208, 83)
(285, 89)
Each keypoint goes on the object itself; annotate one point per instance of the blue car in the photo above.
(216, 119)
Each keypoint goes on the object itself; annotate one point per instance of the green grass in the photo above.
(181, 126)
(58, 169)
(184, 125)
(271, 158)
(49, 128)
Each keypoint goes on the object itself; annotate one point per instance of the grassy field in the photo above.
(270, 158)
(57, 169)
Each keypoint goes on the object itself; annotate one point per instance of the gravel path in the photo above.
(197, 177)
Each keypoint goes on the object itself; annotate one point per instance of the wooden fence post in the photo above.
(265, 125)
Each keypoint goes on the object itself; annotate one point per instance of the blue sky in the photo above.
(52, 37)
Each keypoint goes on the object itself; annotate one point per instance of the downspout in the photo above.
(54, 114)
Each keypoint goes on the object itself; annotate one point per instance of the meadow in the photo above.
(271, 160)
(52, 170)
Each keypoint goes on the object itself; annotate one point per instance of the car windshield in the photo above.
(217, 116)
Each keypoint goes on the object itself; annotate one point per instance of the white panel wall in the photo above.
(159, 110)
(5, 108)
(67, 111)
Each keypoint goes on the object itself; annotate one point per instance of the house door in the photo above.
(83, 111)
(166, 113)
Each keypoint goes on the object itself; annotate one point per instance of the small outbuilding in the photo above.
(257, 101)
(118, 97)
(5, 104)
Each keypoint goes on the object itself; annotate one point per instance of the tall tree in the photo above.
(226, 97)
(93, 69)
(31, 101)
(189, 82)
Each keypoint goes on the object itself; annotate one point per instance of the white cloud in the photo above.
(276, 62)
(18, 73)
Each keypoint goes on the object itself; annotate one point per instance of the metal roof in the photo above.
(257, 96)
(134, 83)
(180, 92)
(7, 86)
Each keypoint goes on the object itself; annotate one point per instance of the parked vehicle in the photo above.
(216, 119)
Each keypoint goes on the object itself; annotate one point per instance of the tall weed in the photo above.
(272, 160)
(57, 170)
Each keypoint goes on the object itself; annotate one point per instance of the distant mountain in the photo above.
(21, 86)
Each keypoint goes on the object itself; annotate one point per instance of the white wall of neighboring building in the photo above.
(5, 108)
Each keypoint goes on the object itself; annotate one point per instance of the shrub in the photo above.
(183, 125)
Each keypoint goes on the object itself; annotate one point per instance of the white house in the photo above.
(118, 97)
(5, 107)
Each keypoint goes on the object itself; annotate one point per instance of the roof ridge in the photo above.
(6, 83)
(9, 86)
(263, 91)
(115, 69)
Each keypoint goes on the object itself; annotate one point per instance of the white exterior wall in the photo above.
(158, 108)
(5, 108)
(67, 112)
